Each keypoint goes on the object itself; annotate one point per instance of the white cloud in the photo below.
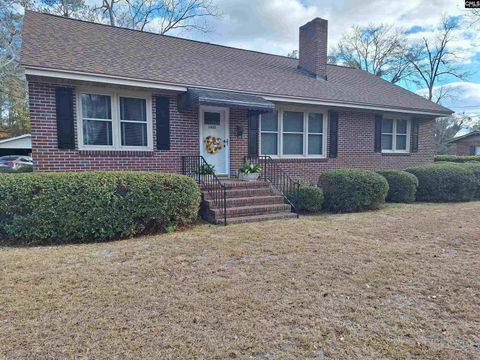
(465, 98)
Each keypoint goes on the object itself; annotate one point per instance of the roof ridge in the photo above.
(177, 37)
(157, 34)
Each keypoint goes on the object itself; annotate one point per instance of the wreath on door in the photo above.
(213, 144)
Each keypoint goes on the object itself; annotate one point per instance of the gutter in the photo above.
(151, 84)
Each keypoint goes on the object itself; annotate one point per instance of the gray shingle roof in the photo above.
(64, 44)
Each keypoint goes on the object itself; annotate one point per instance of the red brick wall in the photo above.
(463, 146)
(355, 143)
(355, 149)
(47, 156)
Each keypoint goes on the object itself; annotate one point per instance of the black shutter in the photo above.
(415, 131)
(65, 120)
(162, 112)
(472, 150)
(333, 134)
(253, 129)
(378, 133)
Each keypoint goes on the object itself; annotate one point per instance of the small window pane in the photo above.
(477, 150)
(387, 126)
(133, 109)
(96, 106)
(134, 134)
(401, 142)
(401, 126)
(292, 144)
(97, 132)
(292, 121)
(387, 142)
(211, 118)
(315, 144)
(315, 123)
(269, 144)
(269, 121)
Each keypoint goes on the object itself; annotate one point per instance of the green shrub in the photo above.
(402, 186)
(348, 190)
(457, 159)
(444, 182)
(310, 198)
(475, 168)
(43, 208)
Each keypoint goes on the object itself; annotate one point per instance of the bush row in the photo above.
(93, 206)
(456, 159)
(349, 190)
(444, 181)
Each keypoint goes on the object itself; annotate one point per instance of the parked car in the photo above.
(16, 163)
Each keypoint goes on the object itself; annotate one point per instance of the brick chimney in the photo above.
(312, 50)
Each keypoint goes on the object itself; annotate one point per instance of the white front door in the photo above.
(214, 139)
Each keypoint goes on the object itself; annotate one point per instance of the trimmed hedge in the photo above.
(442, 182)
(348, 190)
(402, 186)
(310, 199)
(43, 208)
(475, 168)
(457, 159)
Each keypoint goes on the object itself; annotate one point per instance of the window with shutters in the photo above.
(114, 120)
(294, 133)
(395, 135)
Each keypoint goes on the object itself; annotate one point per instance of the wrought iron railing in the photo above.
(278, 178)
(197, 167)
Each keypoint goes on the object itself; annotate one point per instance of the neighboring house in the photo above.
(468, 144)
(19, 145)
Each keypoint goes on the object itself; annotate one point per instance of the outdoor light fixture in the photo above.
(239, 132)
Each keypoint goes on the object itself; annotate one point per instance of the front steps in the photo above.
(247, 201)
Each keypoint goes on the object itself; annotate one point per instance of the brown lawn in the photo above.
(403, 282)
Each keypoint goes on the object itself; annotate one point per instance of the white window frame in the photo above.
(305, 155)
(116, 122)
(394, 136)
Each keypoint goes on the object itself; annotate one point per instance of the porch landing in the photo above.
(246, 201)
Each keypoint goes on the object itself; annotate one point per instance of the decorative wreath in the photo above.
(213, 144)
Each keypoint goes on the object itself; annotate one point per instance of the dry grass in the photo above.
(403, 282)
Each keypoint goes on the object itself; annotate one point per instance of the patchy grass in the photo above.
(399, 283)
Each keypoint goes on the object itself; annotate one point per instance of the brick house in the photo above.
(106, 98)
(468, 144)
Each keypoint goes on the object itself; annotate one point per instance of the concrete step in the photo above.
(249, 200)
(255, 218)
(250, 210)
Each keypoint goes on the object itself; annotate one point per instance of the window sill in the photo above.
(299, 159)
(116, 153)
(395, 153)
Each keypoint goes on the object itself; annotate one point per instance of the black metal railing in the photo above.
(197, 167)
(278, 178)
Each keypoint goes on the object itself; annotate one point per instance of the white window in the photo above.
(269, 134)
(477, 150)
(293, 133)
(114, 120)
(395, 135)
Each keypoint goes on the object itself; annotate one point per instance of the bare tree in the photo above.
(433, 59)
(13, 104)
(378, 49)
(161, 15)
(445, 130)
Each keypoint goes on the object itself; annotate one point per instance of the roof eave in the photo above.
(152, 84)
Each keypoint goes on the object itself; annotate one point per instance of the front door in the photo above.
(214, 141)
